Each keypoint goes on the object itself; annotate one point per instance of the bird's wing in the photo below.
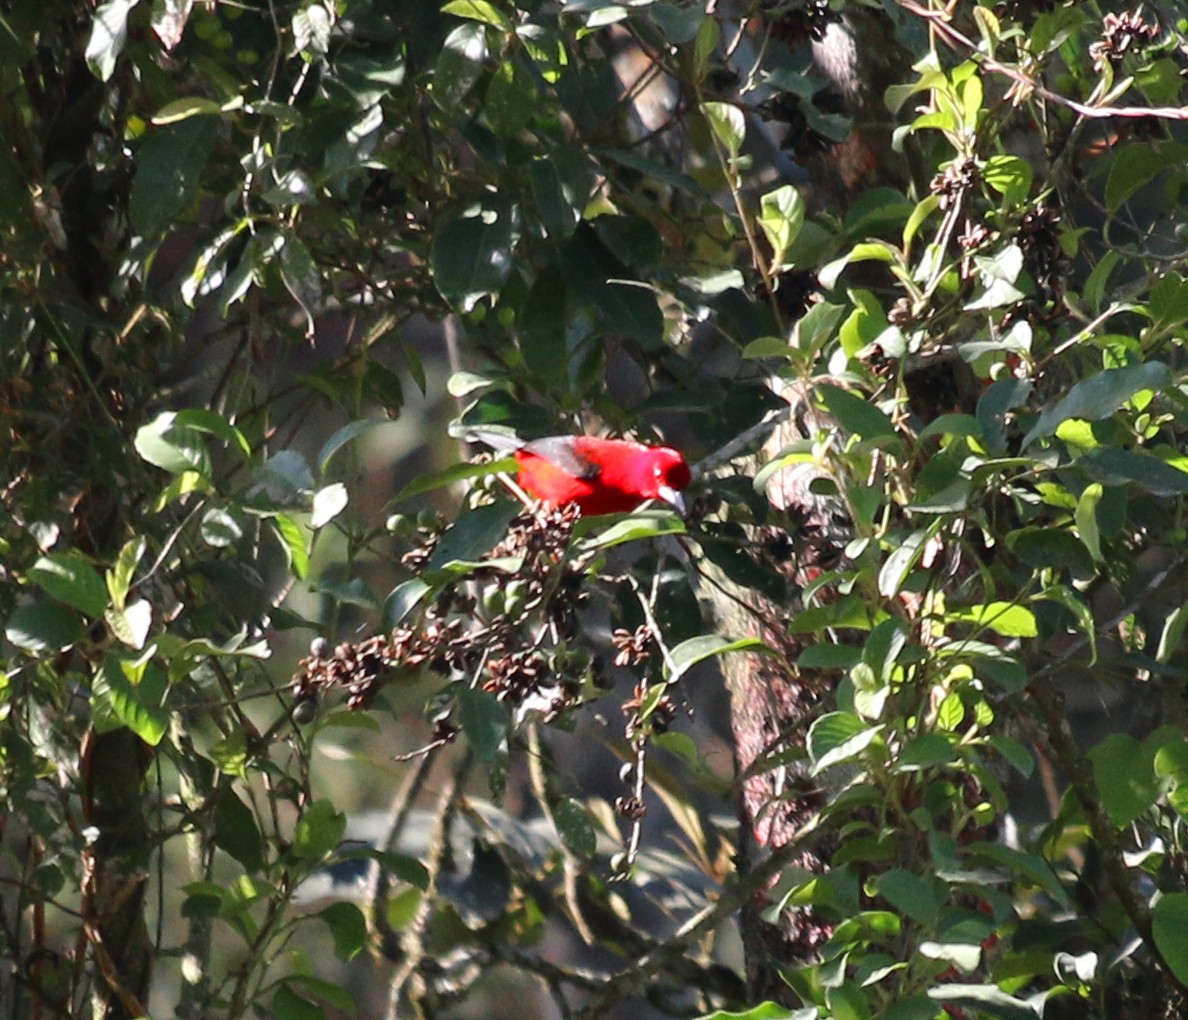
(562, 452)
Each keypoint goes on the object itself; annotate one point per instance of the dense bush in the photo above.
(907, 280)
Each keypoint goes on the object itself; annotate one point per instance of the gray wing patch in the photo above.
(559, 450)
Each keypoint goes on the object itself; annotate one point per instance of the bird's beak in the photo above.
(674, 498)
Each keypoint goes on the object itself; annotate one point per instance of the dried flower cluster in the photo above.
(632, 647)
(1039, 237)
(503, 630)
(1119, 32)
(956, 179)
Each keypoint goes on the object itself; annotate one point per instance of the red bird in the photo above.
(602, 476)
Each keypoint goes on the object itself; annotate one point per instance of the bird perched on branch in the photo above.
(601, 476)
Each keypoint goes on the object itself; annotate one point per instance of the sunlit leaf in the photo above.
(319, 830)
(484, 722)
(70, 578)
(688, 653)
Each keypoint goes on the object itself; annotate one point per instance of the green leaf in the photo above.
(119, 577)
(231, 754)
(680, 25)
(652, 169)
(548, 53)
(318, 832)
(728, 125)
(847, 1002)
(219, 528)
(781, 215)
(288, 1005)
(764, 1011)
(964, 956)
(1112, 466)
(329, 992)
(924, 208)
(870, 691)
(181, 109)
(42, 627)
(914, 1007)
(560, 206)
(688, 653)
(348, 927)
(170, 444)
(574, 827)
(1040, 548)
(471, 255)
(1004, 618)
(1169, 928)
(125, 693)
(452, 475)
(837, 737)
(950, 712)
(930, 749)
(473, 534)
(1171, 634)
(816, 326)
(200, 419)
(1086, 519)
(109, 33)
(1100, 396)
(403, 907)
(404, 598)
(1015, 754)
(983, 1000)
(864, 325)
(236, 832)
(69, 577)
(998, 275)
(132, 623)
(1010, 176)
(348, 433)
(1094, 288)
(856, 414)
(510, 100)
(1168, 302)
(1124, 773)
(600, 279)
(867, 251)
(301, 277)
(642, 524)
(1137, 165)
(899, 563)
(169, 165)
(328, 502)
(484, 721)
(293, 542)
(1022, 866)
(459, 64)
(478, 10)
(1171, 764)
(914, 896)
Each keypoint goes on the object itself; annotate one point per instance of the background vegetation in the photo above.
(908, 279)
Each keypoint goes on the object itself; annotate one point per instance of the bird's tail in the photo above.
(497, 438)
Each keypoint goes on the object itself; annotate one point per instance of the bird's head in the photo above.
(670, 476)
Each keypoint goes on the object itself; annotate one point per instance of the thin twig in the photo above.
(398, 812)
(938, 20)
(770, 421)
(536, 773)
(438, 856)
(628, 982)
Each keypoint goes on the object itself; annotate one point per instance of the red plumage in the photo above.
(602, 476)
